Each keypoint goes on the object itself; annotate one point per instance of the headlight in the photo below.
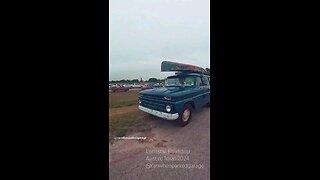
(168, 108)
(139, 101)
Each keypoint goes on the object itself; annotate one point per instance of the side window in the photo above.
(198, 81)
(189, 81)
(205, 81)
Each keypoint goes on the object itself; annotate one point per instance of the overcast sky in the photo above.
(143, 33)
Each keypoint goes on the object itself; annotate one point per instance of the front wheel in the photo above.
(185, 115)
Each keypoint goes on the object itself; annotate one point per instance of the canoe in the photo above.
(174, 66)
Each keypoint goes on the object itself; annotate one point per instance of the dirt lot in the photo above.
(128, 159)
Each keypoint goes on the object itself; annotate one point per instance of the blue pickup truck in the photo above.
(184, 92)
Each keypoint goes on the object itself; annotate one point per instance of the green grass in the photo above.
(123, 99)
(123, 103)
(131, 122)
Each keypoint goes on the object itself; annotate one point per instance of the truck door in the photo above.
(201, 100)
(206, 87)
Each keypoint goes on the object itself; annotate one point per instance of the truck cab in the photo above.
(183, 93)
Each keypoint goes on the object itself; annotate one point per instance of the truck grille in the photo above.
(152, 97)
(154, 102)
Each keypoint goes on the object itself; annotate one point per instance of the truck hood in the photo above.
(168, 91)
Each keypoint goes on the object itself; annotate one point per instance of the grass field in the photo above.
(123, 99)
(124, 115)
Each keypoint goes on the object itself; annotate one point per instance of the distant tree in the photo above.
(153, 80)
(135, 80)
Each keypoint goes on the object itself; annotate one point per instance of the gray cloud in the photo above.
(143, 33)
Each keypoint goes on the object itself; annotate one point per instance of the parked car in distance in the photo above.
(135, 85)
(157, 85)
(145, 87)
(125, 85)
(151, 86)
(120, 88)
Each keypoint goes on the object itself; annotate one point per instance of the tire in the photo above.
(186, 115)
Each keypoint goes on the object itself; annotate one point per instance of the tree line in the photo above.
(153, 80)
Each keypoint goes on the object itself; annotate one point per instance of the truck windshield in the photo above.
(179, 81)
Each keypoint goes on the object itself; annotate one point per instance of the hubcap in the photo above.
(186, 115)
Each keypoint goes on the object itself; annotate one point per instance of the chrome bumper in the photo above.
(160, 114)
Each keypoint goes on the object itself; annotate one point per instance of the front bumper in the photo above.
(159, 113)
